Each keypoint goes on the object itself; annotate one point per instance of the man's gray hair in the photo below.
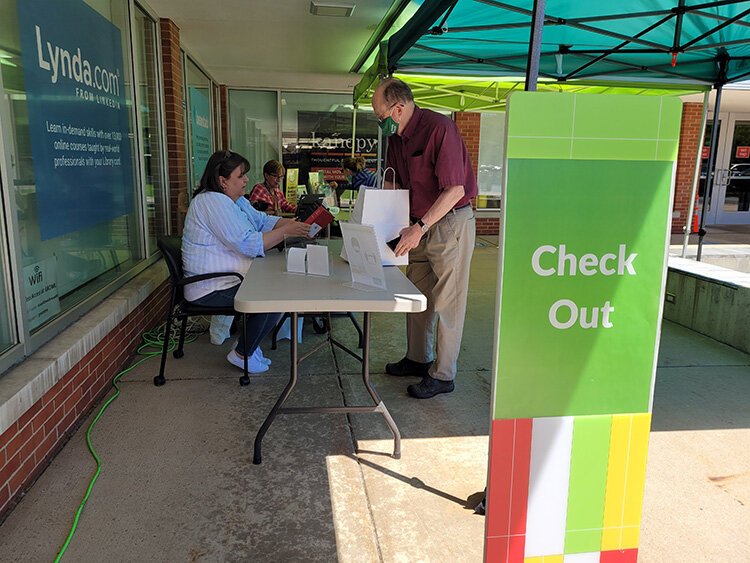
(396, 91)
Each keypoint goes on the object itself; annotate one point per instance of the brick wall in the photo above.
(488, 226)
(469, 123)
(174, 116)
(28, 446)
(690, 131)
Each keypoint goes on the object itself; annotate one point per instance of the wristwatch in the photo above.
(424, 226)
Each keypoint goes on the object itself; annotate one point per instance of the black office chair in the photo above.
(179, 307)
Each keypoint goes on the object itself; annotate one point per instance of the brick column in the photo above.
(469, 123)
(224, 110)
(690, 141)
(174, 122)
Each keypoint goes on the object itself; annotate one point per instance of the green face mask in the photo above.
(388, 126)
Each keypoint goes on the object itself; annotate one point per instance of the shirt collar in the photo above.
(411, 127)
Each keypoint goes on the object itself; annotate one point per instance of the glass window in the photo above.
(200, 120)
(71, 141)
(146, 51)
(254, 129)
(316, 135)
(490, 176)
(706, 148)
(7, 334)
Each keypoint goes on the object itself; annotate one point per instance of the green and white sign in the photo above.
(587, 208)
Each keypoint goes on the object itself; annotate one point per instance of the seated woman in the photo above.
(223, 233)
(356, 175)
(267, 196)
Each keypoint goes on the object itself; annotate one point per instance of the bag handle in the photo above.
(385, 172)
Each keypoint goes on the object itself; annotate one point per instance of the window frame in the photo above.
(11, 252)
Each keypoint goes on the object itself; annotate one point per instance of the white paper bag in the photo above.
(388, 212)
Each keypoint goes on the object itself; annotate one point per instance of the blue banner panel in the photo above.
(78, 116)
(200, 130)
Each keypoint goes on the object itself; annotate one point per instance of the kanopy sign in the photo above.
(586, 214)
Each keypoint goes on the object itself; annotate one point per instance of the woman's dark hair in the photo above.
(221, 163)
(273, 168)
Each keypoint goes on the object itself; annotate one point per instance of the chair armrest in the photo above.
(201, 277)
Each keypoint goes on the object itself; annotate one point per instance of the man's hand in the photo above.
(410, 237)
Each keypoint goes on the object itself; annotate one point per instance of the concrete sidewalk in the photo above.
(178, 482)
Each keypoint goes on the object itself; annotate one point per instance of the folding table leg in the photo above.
(374, 394)
(257, 455)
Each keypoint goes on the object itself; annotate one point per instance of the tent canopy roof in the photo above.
(455, 93)
(662, 42)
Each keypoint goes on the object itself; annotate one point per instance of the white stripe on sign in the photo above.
(582, 557)
(549, 476)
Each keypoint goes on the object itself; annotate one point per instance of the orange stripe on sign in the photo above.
(508, 488)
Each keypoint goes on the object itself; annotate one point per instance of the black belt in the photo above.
(416, 219)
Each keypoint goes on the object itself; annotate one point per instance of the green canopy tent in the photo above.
(643, 43)
(457, 93)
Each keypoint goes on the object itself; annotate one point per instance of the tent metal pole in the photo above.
(535, 45)
(710, 172)
(696, 174)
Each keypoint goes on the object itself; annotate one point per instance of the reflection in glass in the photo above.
(254, 129)
(316, 135)
(490, 175)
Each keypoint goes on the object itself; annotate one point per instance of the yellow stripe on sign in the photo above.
(545, 559)
(636, 482)
(626, 477)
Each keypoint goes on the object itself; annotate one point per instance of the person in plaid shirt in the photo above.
(269, 191)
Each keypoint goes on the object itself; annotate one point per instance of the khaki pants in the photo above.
(439, 267)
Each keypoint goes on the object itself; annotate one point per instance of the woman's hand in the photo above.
(296, 229)
(285, 228)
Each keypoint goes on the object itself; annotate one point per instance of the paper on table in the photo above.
(317, 260)
(363, 254)
(295, 260)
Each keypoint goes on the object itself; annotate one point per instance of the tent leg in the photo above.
(710, 172)
(535, 45)
(696, 176)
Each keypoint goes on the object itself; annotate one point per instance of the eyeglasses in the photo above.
(388, 111)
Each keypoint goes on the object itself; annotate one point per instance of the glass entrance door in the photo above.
(729, 203)
(733, 176)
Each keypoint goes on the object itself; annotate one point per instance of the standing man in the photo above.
(430, 160)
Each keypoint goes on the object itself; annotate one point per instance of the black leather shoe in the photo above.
(429, 387)
(405, 366)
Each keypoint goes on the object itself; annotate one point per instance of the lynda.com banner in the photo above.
(78, 117)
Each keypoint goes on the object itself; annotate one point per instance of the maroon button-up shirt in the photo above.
(429, 156)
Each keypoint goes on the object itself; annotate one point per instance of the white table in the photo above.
(269, 288)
